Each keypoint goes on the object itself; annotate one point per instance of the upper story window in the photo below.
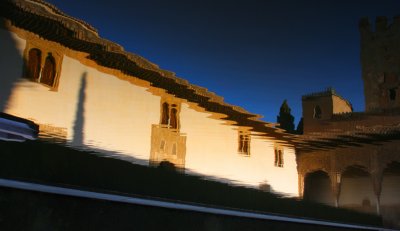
(173, 121)
(42, 65)
(317, 112)
(34, 64)
(165, 114)
(48, 72)
(278, 158)
(170, 115)
(244, 143)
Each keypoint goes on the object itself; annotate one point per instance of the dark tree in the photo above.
(285, 119)
(299, 129)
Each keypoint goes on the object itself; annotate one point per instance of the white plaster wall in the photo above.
(212, 150)
(117, 114)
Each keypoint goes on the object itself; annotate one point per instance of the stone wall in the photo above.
(380, 57)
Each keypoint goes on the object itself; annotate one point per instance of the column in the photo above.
(377, 185)
(335, 181)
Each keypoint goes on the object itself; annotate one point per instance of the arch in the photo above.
(49, 71)
(390, 200)
(34, 63)
(317, 188)
(317, 112)
(166, 165)
(356, 189)
(165, 114)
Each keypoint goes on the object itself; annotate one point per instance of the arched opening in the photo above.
(34, 61)
(317, 112)
(165, 114)
(174, 120)
(356, 190)
(317, 188)
(166, 165)
(49, 71)
(390, 199)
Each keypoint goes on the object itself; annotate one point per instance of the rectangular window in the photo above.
(162, 145)
(244, 144)
(278, 158)
(174, 151)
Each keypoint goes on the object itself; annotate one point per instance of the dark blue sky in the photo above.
(253, 53)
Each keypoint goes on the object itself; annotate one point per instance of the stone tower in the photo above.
(319, 107)
(380, 64)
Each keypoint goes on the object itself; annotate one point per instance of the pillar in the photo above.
(301, 185)
(377, 185)
(335, 182)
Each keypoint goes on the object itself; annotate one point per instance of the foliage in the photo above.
(285, 118)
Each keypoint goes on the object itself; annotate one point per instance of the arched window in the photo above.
(174, 120)
(49, 71)
(317, 112)
(169, 115)
(34, 60)
(165, 114)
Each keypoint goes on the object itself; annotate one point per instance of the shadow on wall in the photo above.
(11, 66)
(79, 123)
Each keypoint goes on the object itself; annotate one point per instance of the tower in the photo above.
(380, 64)
(319, 107)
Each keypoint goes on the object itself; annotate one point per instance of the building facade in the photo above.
(355, 162)
(87, 92)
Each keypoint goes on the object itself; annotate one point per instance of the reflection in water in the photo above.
(364, 178)
(134, 111)
(167, 145)
(79, 122)
(125, 117)
(317, 187)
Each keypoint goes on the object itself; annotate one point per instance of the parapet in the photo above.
(381, 24)
(328, 92)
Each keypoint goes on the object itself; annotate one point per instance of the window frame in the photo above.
(46, 50)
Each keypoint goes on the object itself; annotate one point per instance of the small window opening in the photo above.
(49, 71)
(174, 119)
(33, 67)
(278, 158)
(244, 144)
(392, 94)
(165, 114)
(317, 112)
(174, 149)
(169, 115)
(162, 145)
